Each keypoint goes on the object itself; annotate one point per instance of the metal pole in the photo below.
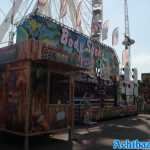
(26, 143)
(133, 94)
(125, 94)
(70, 126)
(72, 88)
(28, 101)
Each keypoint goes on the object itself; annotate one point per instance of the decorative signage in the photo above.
(60, 38)
(49, 54)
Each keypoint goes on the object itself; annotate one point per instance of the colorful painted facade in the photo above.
(108, 63)
(41, 40)
(59, 37)
(48, 37)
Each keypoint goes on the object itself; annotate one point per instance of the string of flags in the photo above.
(105, 29)
(115, 36)
(125, 57)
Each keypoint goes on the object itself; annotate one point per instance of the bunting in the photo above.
(115, 36)
(125, 57)
(105, 29)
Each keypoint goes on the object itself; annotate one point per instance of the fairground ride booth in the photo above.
(96, 96)
(36, 76)
(86, 99)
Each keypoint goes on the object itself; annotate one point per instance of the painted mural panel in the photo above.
(43, 51)
(8, 54)
(19, 51)
(39, 81)
(40, 37)
(49, 108)
(108, 63)
(14, 95)
(2, 97)
(59, 37)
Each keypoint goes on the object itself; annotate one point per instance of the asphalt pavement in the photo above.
(99, 137)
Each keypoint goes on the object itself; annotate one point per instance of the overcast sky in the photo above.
(139, 18)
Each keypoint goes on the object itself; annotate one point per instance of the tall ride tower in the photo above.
(97, 19)
(96, 25)
(127, 40)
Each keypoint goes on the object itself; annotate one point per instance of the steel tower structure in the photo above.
(127, 40)
(97, 19)
(96, 26)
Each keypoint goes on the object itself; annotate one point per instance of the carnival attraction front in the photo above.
(49, 79)
(37, 85)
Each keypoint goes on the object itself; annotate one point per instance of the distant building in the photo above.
(146, 86)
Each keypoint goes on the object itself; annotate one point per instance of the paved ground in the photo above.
(95, 138)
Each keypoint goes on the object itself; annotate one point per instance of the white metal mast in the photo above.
(127, 41)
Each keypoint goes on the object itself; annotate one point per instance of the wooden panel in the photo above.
(16, 82)
(55, 117)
